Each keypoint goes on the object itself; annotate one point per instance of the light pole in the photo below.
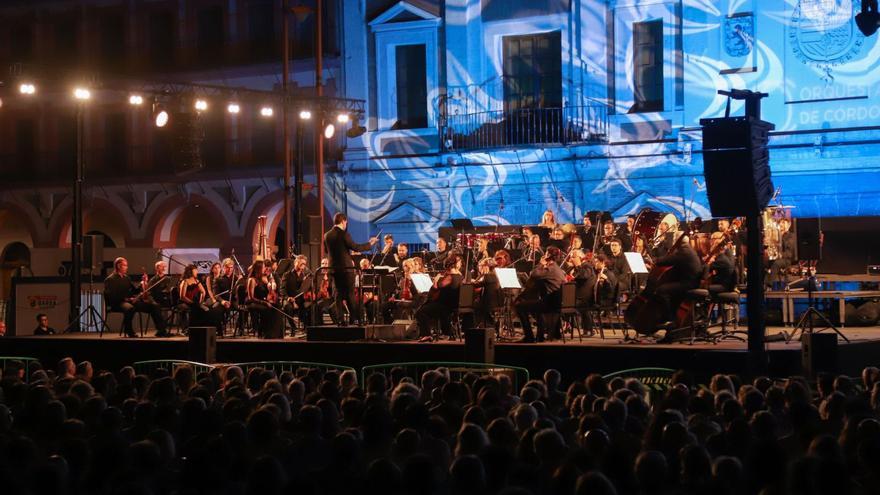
(81, 95)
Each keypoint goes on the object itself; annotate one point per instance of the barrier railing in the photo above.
(456, 370)
(25, 361)
(657, 380)
(149, 367)
(281, 366)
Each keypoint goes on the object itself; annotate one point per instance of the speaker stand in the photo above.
(805, 323)
(93, 316)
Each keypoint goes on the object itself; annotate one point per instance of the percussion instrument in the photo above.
(648, 224)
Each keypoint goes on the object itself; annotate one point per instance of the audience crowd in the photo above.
(74, 430)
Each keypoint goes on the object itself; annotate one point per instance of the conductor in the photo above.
(338, 244)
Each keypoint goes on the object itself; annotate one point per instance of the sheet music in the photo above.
(636, 262)
(422, 282)
(390, 269)
(507, 278)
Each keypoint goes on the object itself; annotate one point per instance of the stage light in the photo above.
(356, 129)
(160, 115)
(82, 94)
(27, 89)
(868, 19)
(266, 112)
(201, 105)
(329, 131)
(305, 114)
(136, 100)
(343, 118)
(233, 108)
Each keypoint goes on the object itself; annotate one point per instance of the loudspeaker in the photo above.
(393, 332)
(187, 137)
(808, 247)
(479, 345)
(202, 345)
(819, 353)
(335, 334)
(736, 165)
(313, 252)
(314, 232)
(93, 253)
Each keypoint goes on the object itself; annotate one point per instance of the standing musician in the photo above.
(161, 285)
(687, 272)
(548, 220)
(124, 296)
(192, 296)
(442, 300)
(325, 298)
(487, 292)
(541, 295)
(295, 286)
(339, 244)
(260, 290)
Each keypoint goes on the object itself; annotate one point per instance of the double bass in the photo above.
(646, 311)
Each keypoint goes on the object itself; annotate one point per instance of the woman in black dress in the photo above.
(260, 292)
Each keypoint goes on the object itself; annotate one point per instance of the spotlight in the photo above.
(266, 111)
(343, 118)
(329, 131)
(233, 108)
(82, 93)
(305, 114)
(201, 105)
(136, 100)
(868, 19)
(356, 129)
(160, 115)
(27, 89)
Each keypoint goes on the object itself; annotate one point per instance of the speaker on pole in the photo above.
(314, 232)
(93, 253)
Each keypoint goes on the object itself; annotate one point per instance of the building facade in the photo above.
(497, 110)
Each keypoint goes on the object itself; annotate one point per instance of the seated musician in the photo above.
(548, 220)
(502, 259)
(216, 270)
(481, 251)
(605, 282)
(418, 265)
(369, 291)
(557, 238)
(526, 241)
(687, 273)
(534, 251)
(436, 259)
(123, 295)
(324, 295)
(405, 297)
(220, 290)
(663, 241)
(575, 242)
(296, 286)
(259, 300)
(721, 268)
(618, 265)
(541, 295)
(192, 296)
(161, 285)
(442, 300)
(786, 256)
(488, 294)
(386, 256)
(401, 254)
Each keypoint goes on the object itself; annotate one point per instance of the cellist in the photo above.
(686, 273)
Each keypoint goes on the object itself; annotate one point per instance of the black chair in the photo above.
(570, 313)
(727, 301)
(465, 307)
(609, 306)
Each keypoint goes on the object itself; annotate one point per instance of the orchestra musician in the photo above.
(604, 282)
(618, 265)
(370, 293)
(534, 251)
(441, 253)
(526, 241)
(663, 242)
(548, 220)
(487, 292)
(325, 299)
(296, 286)
(786, 257)
(161, 285)
(687, 273)
(721, 269)
(192, 296)
(339, 244)
(221, 285)
(401, 254)
(587, 232)
(557, 238)
(502, 259)
(405, 296)
(541, 295)
(481, 251)
(442, 300)
(260, 290)
(386, 257)
(211, 298)
(124, 296)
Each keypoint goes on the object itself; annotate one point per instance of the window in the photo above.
(162, 40)
(210, 34)
(412, 89)
(648, 66)
(532, 71)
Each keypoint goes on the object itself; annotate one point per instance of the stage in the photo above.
(574, 358)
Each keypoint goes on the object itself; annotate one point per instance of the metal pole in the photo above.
(285, 123)
(757, 359)
(298, 190)
(77, 223)
(319, 91)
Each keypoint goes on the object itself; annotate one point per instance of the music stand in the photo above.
(508, 281)
(422, 282)
(462, 224)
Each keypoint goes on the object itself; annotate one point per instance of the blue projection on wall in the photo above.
(614, 124)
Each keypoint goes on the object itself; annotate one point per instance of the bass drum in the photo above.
(648, 225)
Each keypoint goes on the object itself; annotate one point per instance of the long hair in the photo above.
(189, 269)
(257, 269)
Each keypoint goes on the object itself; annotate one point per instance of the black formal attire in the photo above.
(662, 248)
(489, 299)
(44, 331)
(161, 289)
(687, 272)
(325, 304)
(441, 302)
(542, 296)
(199, 313)
(117, 291)
(723, 272)
(296, 285)
(786, 257)
(338, 244)
(438, 259)
(622, 273)
(221, 286)
(385, 259)
(588, 236)
(268, 323)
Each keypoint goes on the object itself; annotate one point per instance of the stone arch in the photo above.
(12, 213)
(164, 221)
(100, 214)
(271, 205)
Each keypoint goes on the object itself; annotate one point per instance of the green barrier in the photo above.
(149, 367)
(281, 366)
(28, 363)
(518, 376)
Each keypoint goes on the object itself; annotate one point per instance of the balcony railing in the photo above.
(532, 126)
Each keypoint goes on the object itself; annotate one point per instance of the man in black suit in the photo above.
(687, 272)
(121, 293)
(338, 243)
(542, 294)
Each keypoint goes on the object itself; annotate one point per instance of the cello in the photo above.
(646, 311)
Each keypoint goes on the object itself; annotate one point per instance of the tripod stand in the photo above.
(92, 316)
(805, 323)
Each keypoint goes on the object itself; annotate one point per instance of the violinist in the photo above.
(542, 295)
(123, 295)
(418, 264)
(582, 274)
(605, 282)
(296, 286)
(481, 251)
(442, 300)
(220, 289)
(405, 296)
(160, 285)
(502, 259)
(488, 293)
(192, 296)
(663, 242)
(324, 294)
(260, 288)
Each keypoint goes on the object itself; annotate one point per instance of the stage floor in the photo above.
(575, 358)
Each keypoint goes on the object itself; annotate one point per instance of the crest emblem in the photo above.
(822, 33)
(739, 34)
